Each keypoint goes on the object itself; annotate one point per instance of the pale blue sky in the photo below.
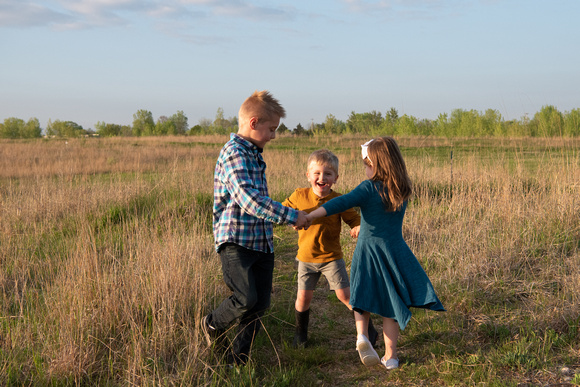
(102, 60)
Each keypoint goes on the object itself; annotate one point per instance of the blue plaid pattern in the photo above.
(242, 209)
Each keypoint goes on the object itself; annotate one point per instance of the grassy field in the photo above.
(108, 265)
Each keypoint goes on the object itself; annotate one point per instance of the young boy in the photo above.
(242, 224)
(319, 250)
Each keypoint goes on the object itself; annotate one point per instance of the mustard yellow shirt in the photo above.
(321, 242)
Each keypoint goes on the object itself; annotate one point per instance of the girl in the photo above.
(385, 276)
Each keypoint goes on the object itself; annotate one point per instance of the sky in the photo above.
(103, 60)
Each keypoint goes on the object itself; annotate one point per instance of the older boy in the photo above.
(242, 223)
(319, 250)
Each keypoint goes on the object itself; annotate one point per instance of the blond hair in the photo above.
(389, 168)
(325, 158)
(263, 106)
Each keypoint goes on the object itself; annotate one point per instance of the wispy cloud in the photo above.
(14, 13)
(247, 10)
(78, 14)
(366, 6)
(64, 14)
(408, 9)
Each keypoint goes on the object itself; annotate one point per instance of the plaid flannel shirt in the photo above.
(242, 211)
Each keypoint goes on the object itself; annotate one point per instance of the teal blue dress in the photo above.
(385, 276)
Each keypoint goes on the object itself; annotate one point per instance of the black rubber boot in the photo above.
(301, 333)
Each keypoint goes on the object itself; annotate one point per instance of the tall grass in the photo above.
(105, 276)
(108, 264)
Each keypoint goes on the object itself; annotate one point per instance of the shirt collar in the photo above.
(246, 143)
(318, 198)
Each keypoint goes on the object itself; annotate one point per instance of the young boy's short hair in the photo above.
(263, 105)
(324, 157)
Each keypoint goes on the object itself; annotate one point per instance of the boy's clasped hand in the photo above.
(303, 221)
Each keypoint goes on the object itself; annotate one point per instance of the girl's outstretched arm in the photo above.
(317, 213)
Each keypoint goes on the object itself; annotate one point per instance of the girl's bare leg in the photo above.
(367, 353)
(362, 323)
(391, 335)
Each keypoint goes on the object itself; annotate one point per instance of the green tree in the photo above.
(519, 128)
(143, 124)
(493, 123)
(282, 129)
(205, 123)
(440, 125)
(31, 129)
(406, 125)
(108, 130)
(221, 125)
(196, 130)
(64, 129)
(299, 130)
(164, 126)
(572, 123)
(11, 128)
(548, 122)
(390, 122)
(333, 125)
(465, 123)
(365, 123)
(179, 120)
(392, 117)
(425, 127)
(17, 128)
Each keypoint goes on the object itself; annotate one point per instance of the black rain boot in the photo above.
(301, 333)
(373, 334)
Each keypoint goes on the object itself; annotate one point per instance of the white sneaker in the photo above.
(367, 353)
(390, 364)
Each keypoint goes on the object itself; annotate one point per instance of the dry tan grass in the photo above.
(94, 296)
(508, 230)
(82, 157)
(93, 302)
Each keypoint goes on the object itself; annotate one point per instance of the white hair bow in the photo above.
(365, 149)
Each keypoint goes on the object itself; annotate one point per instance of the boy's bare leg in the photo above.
(303, 300)
(344, 296)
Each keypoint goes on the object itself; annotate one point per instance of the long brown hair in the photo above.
(389, 168)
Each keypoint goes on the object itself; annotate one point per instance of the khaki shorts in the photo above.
(334, 271)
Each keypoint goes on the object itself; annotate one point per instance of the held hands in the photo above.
(303, 221)
(307, 218)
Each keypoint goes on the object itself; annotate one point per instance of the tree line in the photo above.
(548, 122)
